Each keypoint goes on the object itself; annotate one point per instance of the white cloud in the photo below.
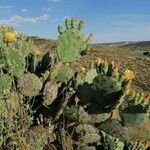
(43, 17)
(24, 10)
(46, 9)
(16, 20)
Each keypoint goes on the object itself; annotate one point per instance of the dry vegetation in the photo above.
(127, 55)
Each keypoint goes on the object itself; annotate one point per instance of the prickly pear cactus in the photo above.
(114, 128)
(77, 114)
(29, 85)
(81, 116)
(50, 92)
(111, 143)
(24, 45)
(10, 102)
(136, 109)
(84, 76)
(71, 43)
(5, 83)
(10, 36)
(106, 90)
(13, 51)
(15, 61)
(88, 134)
(61, 73)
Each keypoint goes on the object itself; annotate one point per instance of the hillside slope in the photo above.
(127, 55)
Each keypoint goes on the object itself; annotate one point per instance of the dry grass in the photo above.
(129, 56)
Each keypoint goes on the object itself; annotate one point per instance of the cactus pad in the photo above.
(88, 133)
(111, 143)
(61, 73)
(15, 61)
(135, 110)
(71, 43)
(29, 85)
(5, 82)
(50, 92)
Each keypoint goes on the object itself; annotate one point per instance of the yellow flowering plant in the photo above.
(10, 37)
(129, 75)
(82, 69)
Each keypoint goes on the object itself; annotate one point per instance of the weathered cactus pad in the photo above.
(29, 85)
(50, 92)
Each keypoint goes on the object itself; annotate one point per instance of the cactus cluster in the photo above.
(38, 90)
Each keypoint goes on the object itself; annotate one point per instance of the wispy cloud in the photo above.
(46, 9)
(16, 20)
(24, 10)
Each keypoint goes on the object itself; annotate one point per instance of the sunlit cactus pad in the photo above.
(71, 43)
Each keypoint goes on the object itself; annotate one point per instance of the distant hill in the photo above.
(127, 54)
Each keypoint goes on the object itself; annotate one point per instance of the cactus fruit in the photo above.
(50, 92)
(71, 43)
(5, 83)
(135, 110)
(111, 143)
(29, 85)
(61, 73)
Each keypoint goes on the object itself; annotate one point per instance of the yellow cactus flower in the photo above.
(129, 74)
(37, 53)
(10, 37)
(83, 70)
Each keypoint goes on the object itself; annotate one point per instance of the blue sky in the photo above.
(108, 20)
